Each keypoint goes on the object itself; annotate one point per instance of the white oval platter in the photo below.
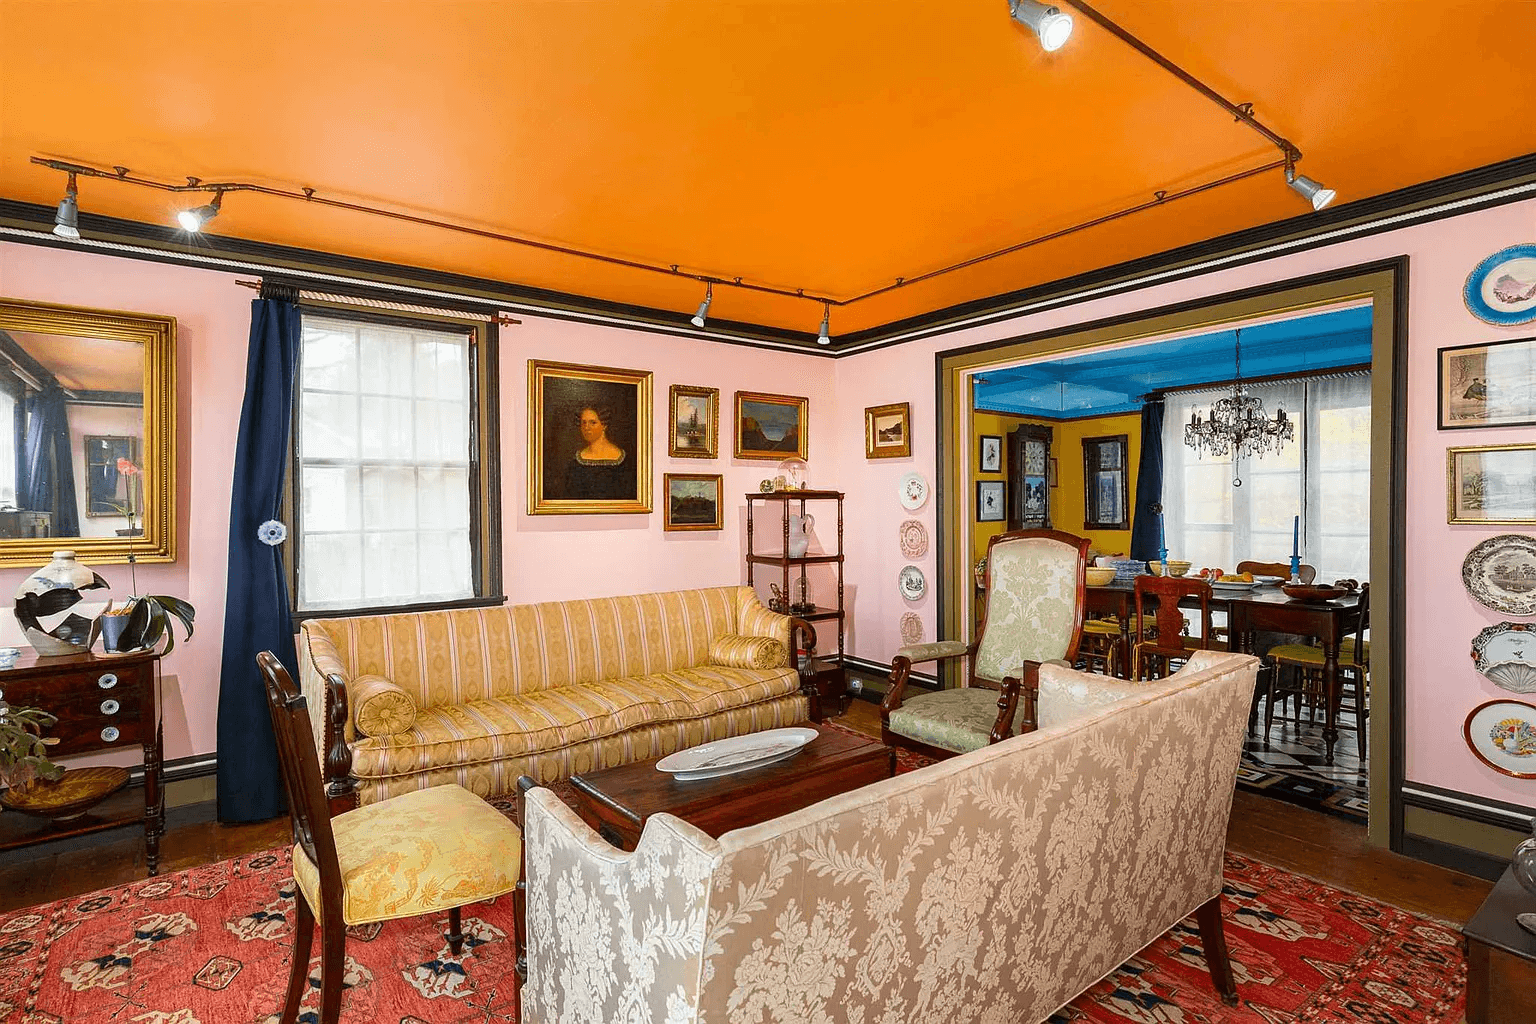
(1501, 573)
(737, 754)
(1506, 655)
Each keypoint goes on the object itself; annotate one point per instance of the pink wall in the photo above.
(544, 557)
(1441, 684)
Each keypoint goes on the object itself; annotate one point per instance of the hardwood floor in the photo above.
(1322, 847)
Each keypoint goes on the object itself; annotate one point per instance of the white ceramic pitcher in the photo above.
(800, 528)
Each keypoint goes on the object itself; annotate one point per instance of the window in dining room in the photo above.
(1323, 476)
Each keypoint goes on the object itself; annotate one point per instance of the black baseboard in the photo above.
(879, 671)
(1457, 858)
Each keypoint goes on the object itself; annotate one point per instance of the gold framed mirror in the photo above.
(71, 379)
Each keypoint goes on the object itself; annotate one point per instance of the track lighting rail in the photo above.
(1030, 12)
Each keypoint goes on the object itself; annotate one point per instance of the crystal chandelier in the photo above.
(1238, 426)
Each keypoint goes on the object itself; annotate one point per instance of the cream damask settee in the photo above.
(481, 696)
(994, 886)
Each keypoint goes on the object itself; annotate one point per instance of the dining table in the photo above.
(1249, 609)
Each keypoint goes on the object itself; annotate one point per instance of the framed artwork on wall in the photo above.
(989, 454)
(1492, 385)
(109, 492)
(1052, 473)
(771, 426)
(694, 432)
(1494, 484)
(1105, 501)
(589, 439)
(692, 502)
(888, 431)
(991, 501)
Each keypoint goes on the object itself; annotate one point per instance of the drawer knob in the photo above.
(109, 707)
(107, 680)
(110, 733)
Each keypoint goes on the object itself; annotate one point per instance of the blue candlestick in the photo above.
(1162, 543)
(1296, 539)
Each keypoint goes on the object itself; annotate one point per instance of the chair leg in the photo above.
(1271, 685)
(1214, 941)
(455, 932)
(298, 971)
(333, 964)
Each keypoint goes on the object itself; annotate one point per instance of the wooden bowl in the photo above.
(69, 796)
(1314, 592)
(1099, 575)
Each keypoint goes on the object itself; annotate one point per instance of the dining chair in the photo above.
(1306, 662)
(1162, 637)
(1101, 645)
(1033, 613)
(1282, 569)
(419, 853)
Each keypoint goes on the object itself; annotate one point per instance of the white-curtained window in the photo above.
(1324, 476)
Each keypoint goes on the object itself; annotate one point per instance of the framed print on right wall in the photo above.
(1492, 484)
(1492, 385)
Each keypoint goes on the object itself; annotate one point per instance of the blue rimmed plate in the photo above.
(1502, 289)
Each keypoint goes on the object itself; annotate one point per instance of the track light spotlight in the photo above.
(822, 337)
(1312, 191)
(195, 219)
(66, 223)
(703, 313)
(1053, 27)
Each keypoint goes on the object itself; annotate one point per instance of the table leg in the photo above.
(1123, 658)
(1331, 691)
(154, 802)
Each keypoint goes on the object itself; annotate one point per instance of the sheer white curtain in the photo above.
(1322, 476)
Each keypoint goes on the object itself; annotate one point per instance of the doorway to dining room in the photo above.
(1065, 430)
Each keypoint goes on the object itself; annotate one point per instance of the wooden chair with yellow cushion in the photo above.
(1307, 662)
(1101, 645)
(424, 852)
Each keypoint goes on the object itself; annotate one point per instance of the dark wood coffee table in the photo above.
(616, 801)
(1501, 957)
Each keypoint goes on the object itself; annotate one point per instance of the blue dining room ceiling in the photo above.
(1114, 380)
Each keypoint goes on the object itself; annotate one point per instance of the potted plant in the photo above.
(141, 621)
(22, 746)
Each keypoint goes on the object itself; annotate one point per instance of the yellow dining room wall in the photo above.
(1066, 497)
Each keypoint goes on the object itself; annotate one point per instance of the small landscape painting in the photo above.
(1491, 484)
(888, 431)
(1488, 385)
(770, 426)
(693, 501)
(695, 423)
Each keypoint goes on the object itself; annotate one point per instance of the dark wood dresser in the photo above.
(1501, 957)
(102, 703)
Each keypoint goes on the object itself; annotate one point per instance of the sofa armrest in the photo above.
(1026, 686)
(323, 680)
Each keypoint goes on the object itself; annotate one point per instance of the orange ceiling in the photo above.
(831, 145)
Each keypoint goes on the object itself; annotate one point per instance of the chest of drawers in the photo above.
(102, 704)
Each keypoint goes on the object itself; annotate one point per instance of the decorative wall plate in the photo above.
(911, 628)
(1501, 573)
(913, 491)
(1502, 733)
(914, 539)
(1502, 288)
(1506, 654)
(912, 582)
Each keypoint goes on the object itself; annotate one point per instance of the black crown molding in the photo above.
(1238, 248)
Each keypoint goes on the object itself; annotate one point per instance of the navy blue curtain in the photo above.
(256, 612)
(47, 469)
(1146, 533)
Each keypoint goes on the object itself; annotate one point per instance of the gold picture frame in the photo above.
(764, 430)
(85, 339)
(687, 438)
(888, 431)
(1491, 485)
(688, 506)
(589, 439)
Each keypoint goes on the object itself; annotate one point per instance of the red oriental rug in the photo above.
(210, 946)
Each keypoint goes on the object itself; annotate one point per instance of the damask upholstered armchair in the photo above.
(1033, 614)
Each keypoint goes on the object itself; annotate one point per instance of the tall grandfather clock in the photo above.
(1029, 459)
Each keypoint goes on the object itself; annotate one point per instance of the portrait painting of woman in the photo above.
(589, 435)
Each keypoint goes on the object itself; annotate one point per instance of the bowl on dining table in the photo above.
(1099, 575)
(1178, 567)
(1312, 591)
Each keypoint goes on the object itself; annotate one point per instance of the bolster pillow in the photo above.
(735, 651)
(379, 707)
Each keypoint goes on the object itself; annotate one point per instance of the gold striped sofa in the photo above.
(480, 696)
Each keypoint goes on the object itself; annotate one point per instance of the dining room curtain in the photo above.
(1145, 533)
(47, 473)
(1323, 476)
(257, 616)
